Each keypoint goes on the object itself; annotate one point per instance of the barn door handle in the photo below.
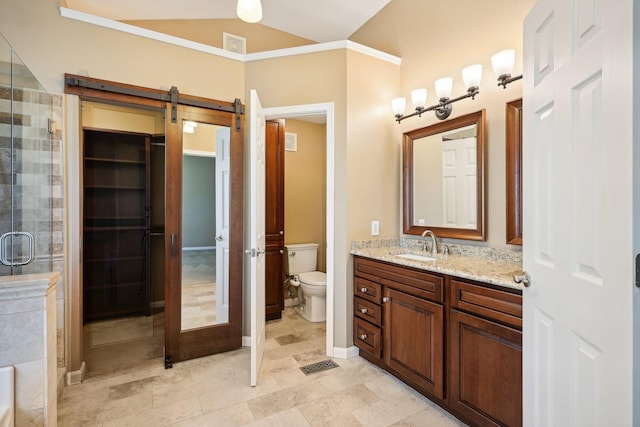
(173, 244)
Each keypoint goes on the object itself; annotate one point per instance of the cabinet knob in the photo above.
(385, 299)
(363, 337)
(364, 311)
(363, 290)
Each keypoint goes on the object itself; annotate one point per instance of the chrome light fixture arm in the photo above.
(443, 108)
(505, 79)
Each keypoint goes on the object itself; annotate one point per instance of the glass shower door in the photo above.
(25, 169)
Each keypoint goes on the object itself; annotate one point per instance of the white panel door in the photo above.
(459, 180)
(257, 234)
(223, 189)
(577, 187)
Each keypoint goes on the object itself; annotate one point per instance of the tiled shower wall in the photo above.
(37, 181)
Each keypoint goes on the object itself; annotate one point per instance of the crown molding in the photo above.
(258, 56)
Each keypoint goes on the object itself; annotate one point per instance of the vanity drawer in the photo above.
(406, 279)
(367, 337)
(367, 289)
(368, 311)
(494, 304)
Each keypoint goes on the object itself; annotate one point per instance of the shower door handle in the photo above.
(3, 252)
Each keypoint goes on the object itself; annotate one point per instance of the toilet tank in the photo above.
(301, 257)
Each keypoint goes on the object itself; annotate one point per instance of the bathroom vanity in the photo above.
(449, 332)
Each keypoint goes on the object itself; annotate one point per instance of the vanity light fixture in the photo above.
(502, 63)
(471, 76)
(249, 10)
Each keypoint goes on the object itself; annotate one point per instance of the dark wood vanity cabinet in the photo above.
(399, 322)
(458, 342)
(485, 347)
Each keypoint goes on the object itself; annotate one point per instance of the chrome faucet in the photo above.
(434, 246)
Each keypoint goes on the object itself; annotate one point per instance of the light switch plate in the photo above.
(375, 228)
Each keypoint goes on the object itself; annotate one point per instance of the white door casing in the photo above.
(223, 207)
(257, 233)
(577, 214)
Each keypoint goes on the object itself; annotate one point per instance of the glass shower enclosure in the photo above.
(26, 202)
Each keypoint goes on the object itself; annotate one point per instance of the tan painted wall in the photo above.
(51, 45)
(209, 31)
(305, 187)
(439, 38)
(373, 166)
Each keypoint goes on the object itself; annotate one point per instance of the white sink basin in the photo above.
(415, 257)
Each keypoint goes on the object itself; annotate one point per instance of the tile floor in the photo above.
(214, 390)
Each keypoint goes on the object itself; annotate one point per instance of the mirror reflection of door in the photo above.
(203, 239)
(205, 225)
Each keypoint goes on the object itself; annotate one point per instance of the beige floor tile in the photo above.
(291, 417)
(288, 398)
(167, 415)
(336, 409)
(430, 417)
(214, 391)
(231, 416)
(240, 393)
(390, 410)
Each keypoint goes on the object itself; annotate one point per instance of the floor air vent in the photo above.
(319, 367)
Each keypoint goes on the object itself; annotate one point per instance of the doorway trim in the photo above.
(326, 109)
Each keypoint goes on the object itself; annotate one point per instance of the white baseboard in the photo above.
(157, 304)
(246, 341)
(345, 353)
(76, 377)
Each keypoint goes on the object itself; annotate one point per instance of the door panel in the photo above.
(577, 187)
(187, 337)
(274, 219)
(414, 340)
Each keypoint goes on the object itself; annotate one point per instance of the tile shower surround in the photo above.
(38, 169)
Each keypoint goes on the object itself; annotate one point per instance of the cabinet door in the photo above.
(485, 370)
(413, 340)
(274, 219)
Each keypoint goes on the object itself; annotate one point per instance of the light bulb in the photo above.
(444, 86)
(419, 98)
(502, 62)
(249, 10)
(472, 75)
(398, 105)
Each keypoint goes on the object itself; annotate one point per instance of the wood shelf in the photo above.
(112, 187)
(119, 161)
(116, 255)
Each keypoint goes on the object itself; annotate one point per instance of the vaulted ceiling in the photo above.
(317, 20)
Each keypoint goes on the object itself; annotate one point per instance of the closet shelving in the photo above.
(116, 224)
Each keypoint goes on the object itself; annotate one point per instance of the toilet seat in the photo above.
(313, 278)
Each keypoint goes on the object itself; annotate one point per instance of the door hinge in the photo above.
(638, 271)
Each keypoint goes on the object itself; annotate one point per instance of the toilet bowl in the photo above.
(312, 284)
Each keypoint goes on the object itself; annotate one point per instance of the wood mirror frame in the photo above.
(514, 171)
(409, 227)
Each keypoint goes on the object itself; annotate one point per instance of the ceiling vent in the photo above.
(234, 43)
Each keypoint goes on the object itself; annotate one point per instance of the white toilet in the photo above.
(301, 271)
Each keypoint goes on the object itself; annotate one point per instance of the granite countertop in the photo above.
(494, 270)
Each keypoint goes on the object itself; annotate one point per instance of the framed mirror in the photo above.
(444, 178)
(514, 171)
